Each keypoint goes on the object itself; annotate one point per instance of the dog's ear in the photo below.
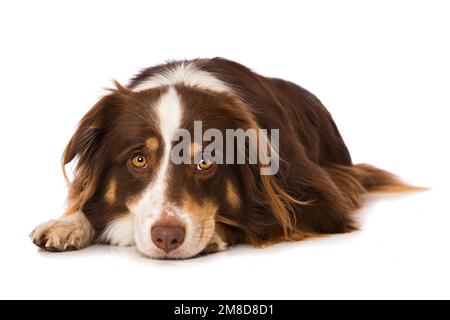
(272, 213)
(274, 206)
(83, 147)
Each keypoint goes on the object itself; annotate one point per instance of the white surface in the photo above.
(382, 69)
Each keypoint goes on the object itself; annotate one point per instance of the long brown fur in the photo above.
(315, 191)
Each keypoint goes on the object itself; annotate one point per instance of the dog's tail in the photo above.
(362, 178)
(378, 180)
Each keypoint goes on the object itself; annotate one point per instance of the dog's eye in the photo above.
(205, 165)
(139, 161)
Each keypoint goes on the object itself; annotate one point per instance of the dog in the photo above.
(128, 191)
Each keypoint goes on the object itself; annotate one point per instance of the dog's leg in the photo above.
(72, 231)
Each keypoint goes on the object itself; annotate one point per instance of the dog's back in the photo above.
(316, 166)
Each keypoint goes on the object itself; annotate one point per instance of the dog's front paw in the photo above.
(216, 244)
(64, 234)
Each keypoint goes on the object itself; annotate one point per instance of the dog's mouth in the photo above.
(175, 241)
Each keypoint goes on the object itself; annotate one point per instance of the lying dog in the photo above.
(128, 190)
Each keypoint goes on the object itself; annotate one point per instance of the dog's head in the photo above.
(133, 192)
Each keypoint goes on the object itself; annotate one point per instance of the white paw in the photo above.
(216, 244)
(65, 234)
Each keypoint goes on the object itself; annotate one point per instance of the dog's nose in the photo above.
(167, 237)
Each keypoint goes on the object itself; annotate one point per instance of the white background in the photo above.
(381, 67)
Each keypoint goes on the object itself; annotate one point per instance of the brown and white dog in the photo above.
(127, 191)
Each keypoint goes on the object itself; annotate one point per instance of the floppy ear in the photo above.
(84, 148)
(271, 216)
(273, 205)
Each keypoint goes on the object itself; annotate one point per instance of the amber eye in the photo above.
(139, 161)
(205, 165)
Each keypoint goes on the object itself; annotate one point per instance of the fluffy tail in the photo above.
(363, 178)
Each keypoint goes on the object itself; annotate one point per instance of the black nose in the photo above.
(167, 237)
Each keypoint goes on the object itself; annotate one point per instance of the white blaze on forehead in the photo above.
(169, 114)
(186, 73)
(147, 209)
